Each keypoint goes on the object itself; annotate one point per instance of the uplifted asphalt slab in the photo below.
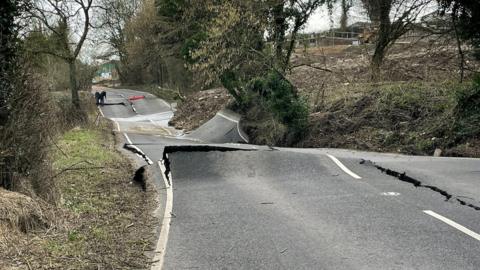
(224, 127)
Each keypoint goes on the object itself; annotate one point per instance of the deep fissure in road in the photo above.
(114, 103)
(193, 148)
(132, 148)
(417, 183)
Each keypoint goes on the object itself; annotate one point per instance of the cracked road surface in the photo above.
(300, 208)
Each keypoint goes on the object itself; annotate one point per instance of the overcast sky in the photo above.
(321, 20)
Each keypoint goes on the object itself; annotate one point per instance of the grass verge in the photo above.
(107, 222)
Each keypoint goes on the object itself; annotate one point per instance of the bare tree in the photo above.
(287, 19)
(393, 18)
(68, 22)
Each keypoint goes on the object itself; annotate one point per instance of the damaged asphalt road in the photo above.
(417, 183)
(238, 206)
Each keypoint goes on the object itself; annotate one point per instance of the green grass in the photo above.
(82, 163)
(83, 145)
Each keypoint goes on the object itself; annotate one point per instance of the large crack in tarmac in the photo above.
(417, 183)
(134, 149)
(169, 149)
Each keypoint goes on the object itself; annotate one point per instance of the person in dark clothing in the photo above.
(97, 98)
(103, 97)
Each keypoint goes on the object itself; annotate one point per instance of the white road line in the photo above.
(227, 117)
(118, 125)
(453, 224)
(238, 125)
(128, 139)
(166, 103)
(165, 229)
(240, 133)
(101, 112)
(343, 167)
(149, 161)
(162, 128)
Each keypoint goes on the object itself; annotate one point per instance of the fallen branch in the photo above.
(309, 65)
(72, 167)
(78, 169)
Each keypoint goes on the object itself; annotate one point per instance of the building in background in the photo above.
(107, 73)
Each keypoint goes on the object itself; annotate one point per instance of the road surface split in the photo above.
(192, 148)
(136, 150)
(295, 194)
(405, 178)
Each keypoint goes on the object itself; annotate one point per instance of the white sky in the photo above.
(321, 20)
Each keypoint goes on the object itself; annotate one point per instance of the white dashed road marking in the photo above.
(390, 193)
(453, 224)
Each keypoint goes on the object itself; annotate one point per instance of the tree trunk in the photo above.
(73, 84)
(291, 46)
(121, 75)
(381, 48)
(377, 60)
(460, 51)
(344, 16)
(383, 40)
(279, 33)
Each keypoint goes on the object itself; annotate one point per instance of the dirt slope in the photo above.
(199, 107)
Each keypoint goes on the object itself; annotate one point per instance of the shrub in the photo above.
(190, 44)
(27, 135)
(277, 95)
(468, 110)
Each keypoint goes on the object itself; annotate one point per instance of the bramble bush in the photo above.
(468, 110)
(271, 99)
(280, 98)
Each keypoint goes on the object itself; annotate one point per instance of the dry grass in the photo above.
(107, 221)
(410, 118)
(324, 50)
(22, 213)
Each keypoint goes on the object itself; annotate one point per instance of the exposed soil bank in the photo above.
(410, 118)
(200, 107)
